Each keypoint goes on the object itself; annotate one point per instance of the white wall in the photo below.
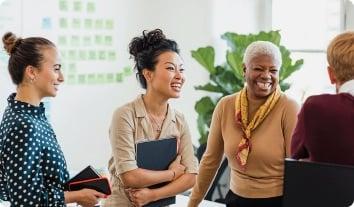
(81, 114)
(349, 18)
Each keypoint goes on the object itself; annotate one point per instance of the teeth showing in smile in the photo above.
(264, 86)
(176, 86)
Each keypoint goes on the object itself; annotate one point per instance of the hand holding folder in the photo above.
(88, 178)
(177, 168)
(157, 155)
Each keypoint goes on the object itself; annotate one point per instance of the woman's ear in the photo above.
(30, 73)
(147, 74)
(331, 75)
(244, 69)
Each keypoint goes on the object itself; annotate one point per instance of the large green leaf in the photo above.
(204, 105)
(205, 56)
(235, 61)
(284, 86)
(202, 129)
(237, 42)
(210, 88)
(227, 80)
(287, 67)
(272, 36)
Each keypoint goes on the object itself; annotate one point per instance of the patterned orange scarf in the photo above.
(241, 106)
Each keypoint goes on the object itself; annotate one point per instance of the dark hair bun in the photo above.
(10, 42)
(145, 42)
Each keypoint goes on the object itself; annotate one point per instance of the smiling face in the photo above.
(167, 79)
(49, 76)
(262, 76)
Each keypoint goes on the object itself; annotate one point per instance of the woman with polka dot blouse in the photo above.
(32, 166)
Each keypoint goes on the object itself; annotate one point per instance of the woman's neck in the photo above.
(27, 95)
(253, 105)
(155, 105)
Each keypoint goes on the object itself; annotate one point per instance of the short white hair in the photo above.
(259, 48)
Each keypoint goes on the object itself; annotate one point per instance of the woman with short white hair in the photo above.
(253, 128)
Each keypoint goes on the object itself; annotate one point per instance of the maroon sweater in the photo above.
(325, 130)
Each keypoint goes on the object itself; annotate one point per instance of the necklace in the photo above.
(156, 122)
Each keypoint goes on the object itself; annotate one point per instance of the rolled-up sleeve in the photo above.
(186, 149)
(121, 135)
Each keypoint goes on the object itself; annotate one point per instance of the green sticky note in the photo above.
(63, 5)
(90, 7)
(82, 79)
(127, 70)
(72, 68)
(76, 23)
(111, 55)
(109, 24)
(100, 78)
(98, 39)
(72, 55)
(62, 40)
(88, 23)
(108, 40)
(98, 24)
(83, 55)
(77, 6)
(75, 40)
(71, 79)
(119, 77)
(63, 56)
(63, 23)
(102, 55)
(109, 77)
(92, 55)
(87, 40)
(91, 78)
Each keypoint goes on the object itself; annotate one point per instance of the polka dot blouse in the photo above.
(32, 166)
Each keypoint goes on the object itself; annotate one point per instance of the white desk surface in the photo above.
(182, 201)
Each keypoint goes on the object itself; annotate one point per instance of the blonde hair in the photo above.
(259, 48)
(340, 56)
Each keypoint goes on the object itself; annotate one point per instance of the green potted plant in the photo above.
(227, 78)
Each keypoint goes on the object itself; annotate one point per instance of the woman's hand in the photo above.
(140, 197)
(88, 197)
(177, 168)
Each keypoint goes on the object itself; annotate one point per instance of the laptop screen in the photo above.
(317, 184)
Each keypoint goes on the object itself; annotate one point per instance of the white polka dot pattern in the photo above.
(32, 166)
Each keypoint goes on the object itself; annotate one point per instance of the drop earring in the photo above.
(32, 79)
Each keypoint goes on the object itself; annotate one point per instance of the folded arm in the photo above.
(140, 178)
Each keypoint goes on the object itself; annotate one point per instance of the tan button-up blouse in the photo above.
(131, 125)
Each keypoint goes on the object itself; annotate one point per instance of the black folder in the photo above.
(157, 155)
(88, 178)
(99, 184)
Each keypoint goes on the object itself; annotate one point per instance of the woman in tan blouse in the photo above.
(160, 71)
(253, 129)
